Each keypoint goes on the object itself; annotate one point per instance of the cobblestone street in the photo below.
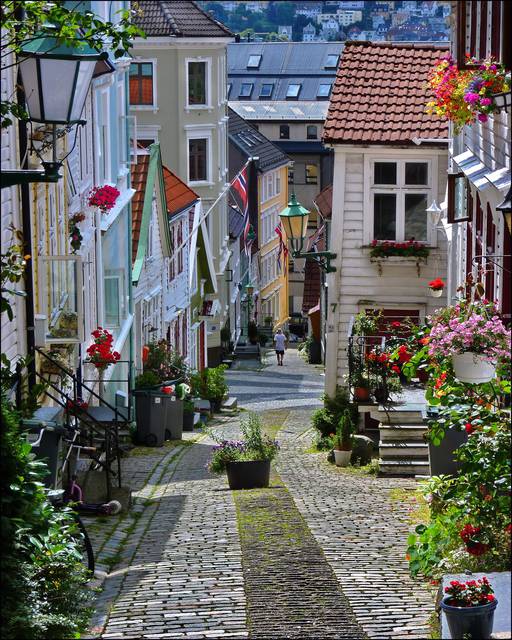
(320, 554)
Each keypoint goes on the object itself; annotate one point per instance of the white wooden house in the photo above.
(390, 164)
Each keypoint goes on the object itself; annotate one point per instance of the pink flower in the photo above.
(482, 117)
(485, 102)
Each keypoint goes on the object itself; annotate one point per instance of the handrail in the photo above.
(87, 388)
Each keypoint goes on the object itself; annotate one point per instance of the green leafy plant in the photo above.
(344, 432)
(147, 380)
(12, 271)
(325, 420)
(262, 339)
(366, 323)
(210, 384)
(165, 362)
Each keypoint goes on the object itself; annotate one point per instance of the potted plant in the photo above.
(343, 440)
(366, 323)
(246, 461)
(103, 197)
(361, 387)
(436, 287)
(469, 608)
(474, 336)
(217, 387)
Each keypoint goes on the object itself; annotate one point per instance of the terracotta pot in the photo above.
(361, 393)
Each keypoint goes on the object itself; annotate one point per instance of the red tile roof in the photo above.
(324, 202)
(177, 193)
(380, 94)
(139, 176)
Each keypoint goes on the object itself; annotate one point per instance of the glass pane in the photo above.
(293, 91)
(245, 90)
(384, 173)
(62, 300)
(415, 216)
(416, 173)
(134, 69)
(266, 90)
(197, 82)
(112, 298)
(254, 61)
(384, 216)
(147, 69)
(460, 198)
(332, 61)
(323, 90)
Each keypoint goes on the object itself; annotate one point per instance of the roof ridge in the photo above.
(397, 45)
(167, 13)
(212, 19)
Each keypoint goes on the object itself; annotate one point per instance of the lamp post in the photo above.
(506, 209)
(294, 220)
(56, 79)
(435, 212)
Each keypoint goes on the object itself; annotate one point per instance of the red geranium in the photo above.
(469, 594)
(471, 537)
(436, 284)
(103, 197)
(403, 354)
(100, 353)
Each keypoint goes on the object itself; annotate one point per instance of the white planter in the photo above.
(342, 458)
(436, 293)
(473, 368)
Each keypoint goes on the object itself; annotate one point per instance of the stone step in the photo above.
(398, 414)
(403, 450)
(403, 468)
(230, 403)
(407, 432)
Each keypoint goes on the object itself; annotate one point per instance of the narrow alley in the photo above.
(319, 554)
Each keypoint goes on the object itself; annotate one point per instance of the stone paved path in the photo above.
(184, 571)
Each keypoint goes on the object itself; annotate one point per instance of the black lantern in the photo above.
(506, 209)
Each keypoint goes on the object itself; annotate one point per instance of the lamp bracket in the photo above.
(26, 176)
(488, 259)
(322, 258)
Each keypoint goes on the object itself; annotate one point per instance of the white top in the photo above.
(280, 340)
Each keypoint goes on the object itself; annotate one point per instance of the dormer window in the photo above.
(331, 61)
(324, 90)
(245, 90)
(254, 62)
(293, 91)
(266, 90)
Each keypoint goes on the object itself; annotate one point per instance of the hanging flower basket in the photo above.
(75, 235)
(103, 197)
(474, 368)
(436, 287)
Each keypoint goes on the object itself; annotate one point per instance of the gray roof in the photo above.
(252, 143)
(281, 64)
(177, 18)
(291, 110)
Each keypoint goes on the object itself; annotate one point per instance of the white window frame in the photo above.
(400, 189)
(122, 144)
(269, 221)
(104, 161)
(200, 134)
(208, 76)
(270, 185)
(145, 107)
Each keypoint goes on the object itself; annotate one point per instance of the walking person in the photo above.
(280, 342)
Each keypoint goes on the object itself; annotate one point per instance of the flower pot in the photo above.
(422, 375)
(381, 393)
(361, 394)
(248, 475)
(470, 622)
(342, 458)
(474, 368)
(442, 457)
(436, 293)
(188, 420)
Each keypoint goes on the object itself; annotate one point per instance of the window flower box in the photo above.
(398, 253)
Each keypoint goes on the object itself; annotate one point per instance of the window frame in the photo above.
(308, 135)
(246, 84)
(284, 132)
(200, 134)
(154, 105)
(266, 84)
(451, 191)
(400, 190)
(321, 95)
(332, 66)
(290, 85)
(254, 66)
(308, 178)
(208, 80)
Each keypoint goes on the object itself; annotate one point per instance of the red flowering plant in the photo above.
(382, 371)
(436, 285)
(473, 538)
(75, 235)
(388, 248)
(100, 353)
(472, 593)
(103, 197)
(75, 407)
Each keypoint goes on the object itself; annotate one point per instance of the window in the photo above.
(266, 90)
(254, 62)
(331, 61)
(459, 209)
(179, 247)
(62, 302)
(324, 90)
(113, 291)
(197, 92)
(312, 132)
(245, 90)
(270, 185)
(269, 222)
(293, 91)
(400, 196)
(172, 260)
(284, 132)
(197, 160)
(311, 174)
(141, 83)
(290, 175)
(481, 31)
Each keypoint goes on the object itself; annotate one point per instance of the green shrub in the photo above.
(147, 380)
(210, 384)
(262, 339)
(326, 419)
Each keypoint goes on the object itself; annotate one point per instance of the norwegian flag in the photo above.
(283, 249)
(239, 185)
(249, 235)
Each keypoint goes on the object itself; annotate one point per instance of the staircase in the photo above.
(247, 351)
(402, 448)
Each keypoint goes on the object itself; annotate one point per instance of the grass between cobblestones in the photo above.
(418, 509)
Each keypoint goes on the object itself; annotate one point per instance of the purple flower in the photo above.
(482, 117)
(485, 102)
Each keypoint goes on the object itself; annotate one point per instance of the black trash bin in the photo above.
(174, 418)
(50, 446)
(150, 414)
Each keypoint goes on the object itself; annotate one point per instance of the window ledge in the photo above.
(108, 220)
(201, 183)
(144, 107)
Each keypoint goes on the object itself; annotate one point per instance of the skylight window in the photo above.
(246, 90)
(331, 61)
(254, 62)
(323, 90)
(266, 90)
(293, 91)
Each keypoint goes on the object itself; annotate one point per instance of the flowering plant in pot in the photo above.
(389, 248)
(246, 461)
(343, 440)
(75, 235)
(361, 387)
(103, 197)
(469, 608)
(474, 336)
(436, 287)
(384, 373)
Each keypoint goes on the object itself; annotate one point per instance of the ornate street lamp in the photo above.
(435, 212)
(56, 79)
(506, 209)
(294, 220)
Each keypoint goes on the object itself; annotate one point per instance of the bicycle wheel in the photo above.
(85, 543)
